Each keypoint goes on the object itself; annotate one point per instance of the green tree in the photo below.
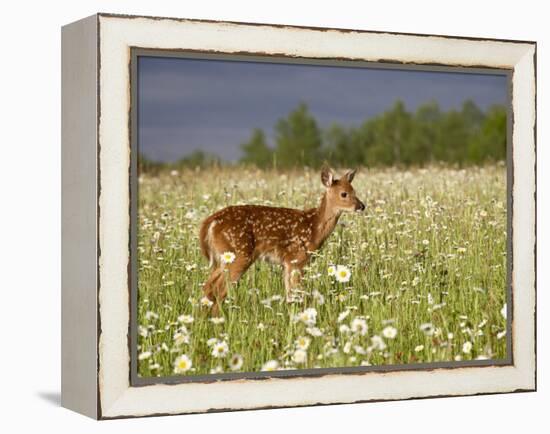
(348, 146)
(392, 132)
(256, 150)
(424, 133)
(472, 115)
(298, 139)
(490, 142)
(452, 138)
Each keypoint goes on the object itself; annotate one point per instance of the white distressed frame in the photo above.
(116, 398)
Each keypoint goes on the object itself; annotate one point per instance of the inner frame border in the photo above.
(136, 52)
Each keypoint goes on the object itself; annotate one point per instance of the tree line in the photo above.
(396, 137)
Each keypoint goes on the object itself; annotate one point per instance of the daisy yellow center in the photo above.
(343, 273)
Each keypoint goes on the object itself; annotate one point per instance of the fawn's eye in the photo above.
(344, 194)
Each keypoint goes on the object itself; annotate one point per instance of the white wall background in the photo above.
(30, 215)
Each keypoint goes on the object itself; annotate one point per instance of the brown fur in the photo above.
(282, 235)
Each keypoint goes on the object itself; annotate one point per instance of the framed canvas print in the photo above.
(261, 216)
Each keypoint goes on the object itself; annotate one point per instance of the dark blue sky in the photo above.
(188, 104)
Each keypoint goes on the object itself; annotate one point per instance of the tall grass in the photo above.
(427, 257)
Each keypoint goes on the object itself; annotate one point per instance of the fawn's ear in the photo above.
(327, 177)
(350, 175)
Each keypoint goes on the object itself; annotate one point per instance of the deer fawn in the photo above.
(281, 235)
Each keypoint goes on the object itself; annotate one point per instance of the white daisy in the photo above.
(344, 329)
(318, 297)
(210, 342)
(271, 365)
(504, 311)
(418, 348)
(308, 316)
(143, 332)
(389, 332)
(378, 343)
(427, 328)
(331, 270)
(227, 257)
(217, 320)
(151, 316)
(185, 319)
(299, 356)
(144, 355)
(343, 315)
(302, 343)
(220, 349)
(217, 370)
(236, 362)
(314, 331)
(343, 274)
(206, 302)
(360, 350)
(467, 347)
(182, 364)
(359, 326)
(181, 338)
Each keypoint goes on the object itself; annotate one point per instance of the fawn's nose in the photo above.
(360, 206)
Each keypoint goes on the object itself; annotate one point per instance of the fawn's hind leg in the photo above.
(217, 286)
(231, 274)
(210, 286)
(228, 272)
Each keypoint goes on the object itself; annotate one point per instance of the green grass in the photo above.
(429, 249)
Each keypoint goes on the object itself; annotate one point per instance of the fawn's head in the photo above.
(340, 193)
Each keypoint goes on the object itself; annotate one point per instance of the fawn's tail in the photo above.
(205, 237)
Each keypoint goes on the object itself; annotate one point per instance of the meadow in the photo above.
(427, 260)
